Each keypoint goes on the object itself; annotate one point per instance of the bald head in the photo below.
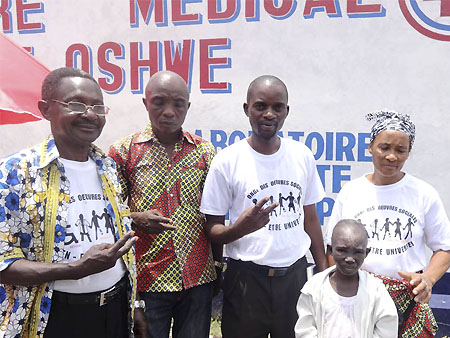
(265, 80)
(168, 80)
(350, 228)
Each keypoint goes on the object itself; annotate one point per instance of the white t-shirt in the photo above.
(239, 176)
(88, 224)
(338, 314)
(400, 219)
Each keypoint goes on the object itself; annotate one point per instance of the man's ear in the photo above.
(43, 106)
(370, 148)
(245, 106)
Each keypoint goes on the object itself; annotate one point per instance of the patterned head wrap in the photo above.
(391, 120)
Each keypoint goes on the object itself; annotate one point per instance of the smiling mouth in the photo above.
(88, 126)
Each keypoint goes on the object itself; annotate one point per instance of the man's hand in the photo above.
(101, 257)
(254, 218)
(152, 221)
(140, 323)
(422, 283)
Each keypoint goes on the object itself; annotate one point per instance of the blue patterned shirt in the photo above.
(34, 199)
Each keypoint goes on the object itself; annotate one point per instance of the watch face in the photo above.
(139, 304)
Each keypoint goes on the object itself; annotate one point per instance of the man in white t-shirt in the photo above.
(266, 241)
(65, 260)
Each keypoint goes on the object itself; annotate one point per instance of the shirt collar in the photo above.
(49, 152)
(148, 135)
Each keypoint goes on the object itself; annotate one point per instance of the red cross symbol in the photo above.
(445, 7)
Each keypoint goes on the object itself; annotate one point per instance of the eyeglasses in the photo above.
(81, 108)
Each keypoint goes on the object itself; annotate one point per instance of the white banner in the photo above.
(340, 59)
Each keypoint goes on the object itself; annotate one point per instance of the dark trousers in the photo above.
(190, 310)
(89, 320)
(256, 304)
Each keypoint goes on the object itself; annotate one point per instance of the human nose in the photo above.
(391, 157)
(168, 111)
(349, 259)
(89, 113)
(269, 114)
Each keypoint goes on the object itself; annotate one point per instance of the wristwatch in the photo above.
(139, 304)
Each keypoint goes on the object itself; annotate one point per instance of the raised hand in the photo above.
(254, 218)
(101, 257)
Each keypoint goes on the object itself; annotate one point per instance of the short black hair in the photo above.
(52, 80)
(261, 78)
(357, 228)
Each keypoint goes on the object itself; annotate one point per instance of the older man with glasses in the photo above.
(67, 267)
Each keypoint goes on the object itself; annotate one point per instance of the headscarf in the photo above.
(391, 120)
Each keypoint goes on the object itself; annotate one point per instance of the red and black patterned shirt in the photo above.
(172, 260)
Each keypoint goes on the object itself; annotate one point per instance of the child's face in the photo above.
(349, 249)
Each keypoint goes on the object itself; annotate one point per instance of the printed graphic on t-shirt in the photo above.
(288, 194)
(89, 223)
(395, 231)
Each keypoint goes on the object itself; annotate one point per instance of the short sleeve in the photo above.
(119, 152)
(437, 226)
(217, 193)
(208, 154)
(314, 189)
(336, 216)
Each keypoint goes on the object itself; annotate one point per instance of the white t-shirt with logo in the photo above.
(239, 177)
(400, 219)
(338, 314)
(89, 223)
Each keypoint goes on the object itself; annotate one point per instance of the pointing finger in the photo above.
(121, 242)
(260, 203)
(124, 249)
(167, 226)
(271, 207)
(162, 219)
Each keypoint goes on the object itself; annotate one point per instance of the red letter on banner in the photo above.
(279, 11)
(115, 80)
(22, 7)
(76, 51)
(209, 63)
(145, 7)
(138, 65)
(179, 59)
(353, 7)
(180, 18)
(311, 6)
(224, 16)
(5, 13)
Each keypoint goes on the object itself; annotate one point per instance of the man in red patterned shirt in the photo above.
(162, 171)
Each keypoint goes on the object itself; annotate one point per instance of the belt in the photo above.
(99, 298)
(268, 270)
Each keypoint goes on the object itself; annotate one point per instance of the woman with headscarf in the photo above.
(402, 215)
